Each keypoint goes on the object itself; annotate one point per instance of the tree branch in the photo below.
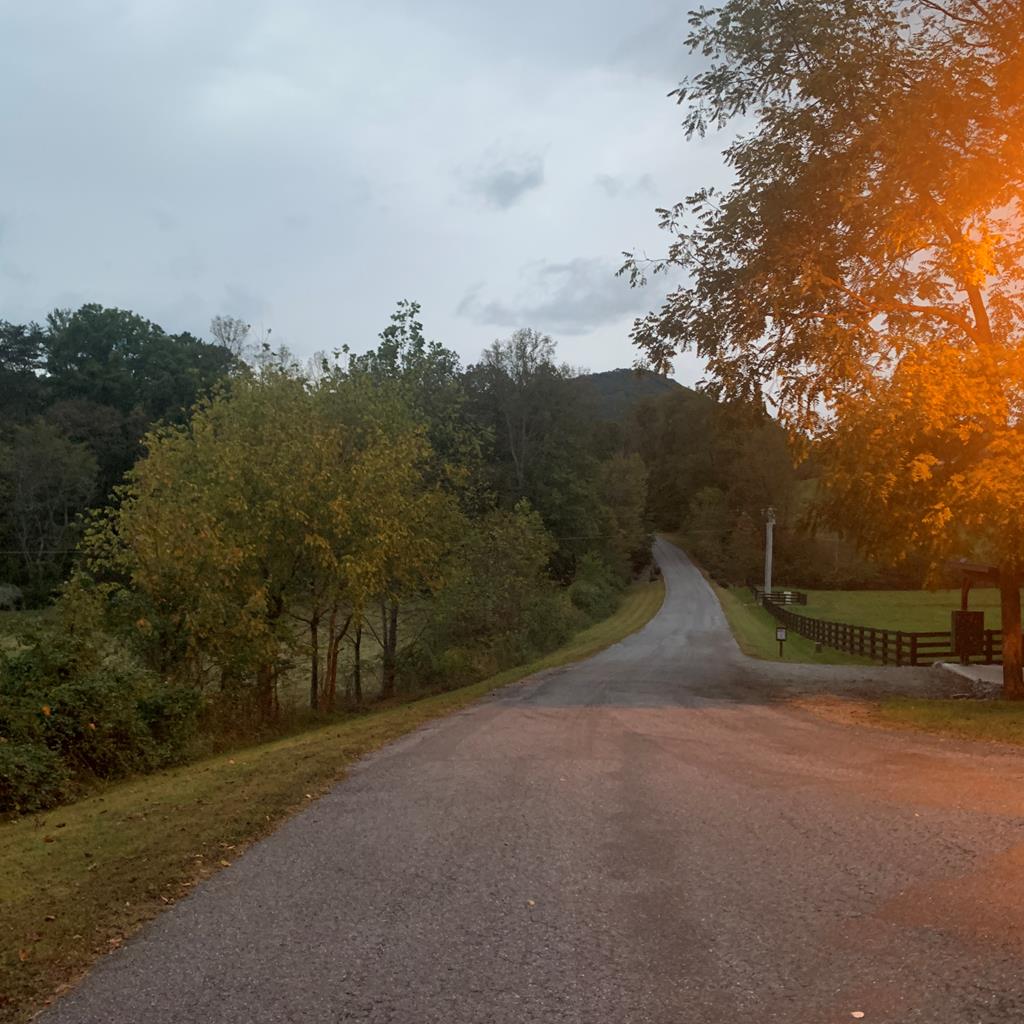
(895, 306)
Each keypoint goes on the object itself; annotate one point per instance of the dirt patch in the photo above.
(841, 710)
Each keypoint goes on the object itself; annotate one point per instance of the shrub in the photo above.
(32, 778)
(74, 706)
(596, 589)
(171, 714)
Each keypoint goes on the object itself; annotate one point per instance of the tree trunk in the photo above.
(1009, 599)
(389, 622)
(314, 662)
(266, 702)
(357, 668)
(266, 674)
(334, 639)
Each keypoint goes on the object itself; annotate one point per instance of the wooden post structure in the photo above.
(1009, 603)
(1007, 578)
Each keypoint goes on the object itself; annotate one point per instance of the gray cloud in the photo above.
(17, 274)
(623, 185)
(572, 298)
(503, 181)
(249, 158)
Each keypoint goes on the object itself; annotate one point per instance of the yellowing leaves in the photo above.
(267, 497)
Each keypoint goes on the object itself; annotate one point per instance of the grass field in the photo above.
(754, 630)
(78, 879)
(910, 610)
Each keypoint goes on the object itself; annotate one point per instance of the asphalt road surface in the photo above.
(648, 836)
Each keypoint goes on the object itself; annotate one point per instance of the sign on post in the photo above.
(780, 635)
(968, 629)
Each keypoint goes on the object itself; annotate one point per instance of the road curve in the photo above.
(643, 837)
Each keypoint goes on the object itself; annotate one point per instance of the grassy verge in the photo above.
(754, 630)
(999, 721)
(78, 879)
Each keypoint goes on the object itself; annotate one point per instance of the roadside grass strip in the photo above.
(78, 879)
(754, 630)
(995, 721)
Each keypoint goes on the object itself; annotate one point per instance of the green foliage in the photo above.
(539, 440)
(389, 514)
(712, 470)
(498, 606)
(76, 707)
(410, 379)
(625, 542)
(32, 777)
(45, 481)
(596, 590)
(707, 519)
(115, 358)
(615, 394)
(22, 391)
(77, 395)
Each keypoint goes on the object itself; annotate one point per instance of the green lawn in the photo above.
(754, 630)
(910, 610)
(77, 879)
(1000, 721)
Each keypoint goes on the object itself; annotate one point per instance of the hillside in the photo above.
(616, 392)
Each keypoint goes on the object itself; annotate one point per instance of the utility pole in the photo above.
(769, 530)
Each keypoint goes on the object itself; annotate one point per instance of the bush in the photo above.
(32, 778)
(171, 714)
(596, 589)
(71, 706)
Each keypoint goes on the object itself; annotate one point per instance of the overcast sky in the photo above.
(304, 164)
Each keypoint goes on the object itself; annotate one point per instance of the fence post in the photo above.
(913, 649)
(899, 648)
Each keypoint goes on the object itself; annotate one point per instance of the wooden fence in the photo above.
(779, 596)
(889, 646)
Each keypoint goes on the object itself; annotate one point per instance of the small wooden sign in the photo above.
(780, 635)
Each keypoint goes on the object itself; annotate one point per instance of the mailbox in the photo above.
(968, 630)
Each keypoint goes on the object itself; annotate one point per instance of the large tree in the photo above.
(22, 388)
(269, 507)
(539, 440)
(116, 358)
(864, 269)
(45, 482)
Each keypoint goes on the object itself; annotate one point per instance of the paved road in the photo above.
(645, 837)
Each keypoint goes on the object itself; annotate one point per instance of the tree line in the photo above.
(78, 394)
(715, 468)
(370, 526)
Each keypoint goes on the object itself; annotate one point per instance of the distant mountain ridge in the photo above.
(615, 393)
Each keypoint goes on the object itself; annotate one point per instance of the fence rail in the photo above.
(779, 596)
(889, 646)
